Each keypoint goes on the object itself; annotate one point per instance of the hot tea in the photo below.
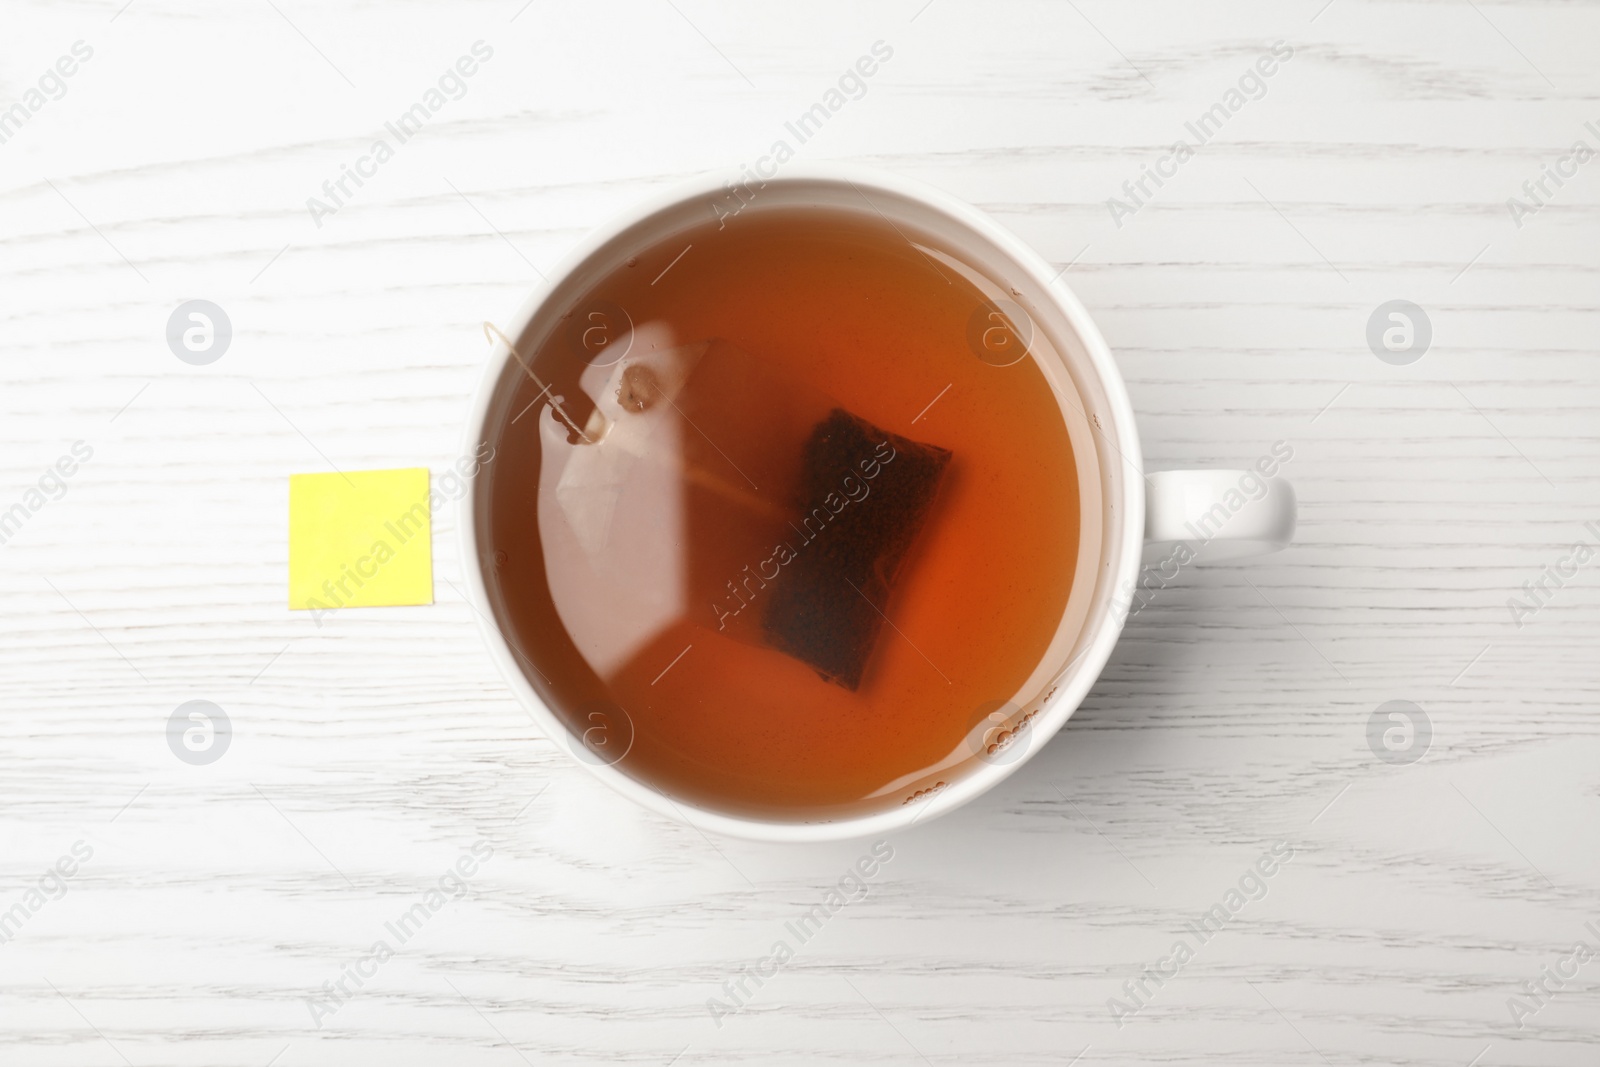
(771, 529)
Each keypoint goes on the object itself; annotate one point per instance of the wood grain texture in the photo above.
(372, 752)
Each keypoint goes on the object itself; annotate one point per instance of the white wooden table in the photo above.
(370, 754)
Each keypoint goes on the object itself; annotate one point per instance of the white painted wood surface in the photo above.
(370, 754)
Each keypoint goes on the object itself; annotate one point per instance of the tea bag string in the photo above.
(491, 332)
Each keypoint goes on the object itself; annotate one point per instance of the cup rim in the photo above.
(1056, 710)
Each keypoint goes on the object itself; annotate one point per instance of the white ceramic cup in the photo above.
(1167, 518)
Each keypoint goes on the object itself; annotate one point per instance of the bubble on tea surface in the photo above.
(640, 389)
(925, 793)
(1000, 734)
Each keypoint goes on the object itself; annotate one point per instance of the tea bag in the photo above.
(706, 485)
(869, 493)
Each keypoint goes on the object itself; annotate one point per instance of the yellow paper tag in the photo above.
(360, 539)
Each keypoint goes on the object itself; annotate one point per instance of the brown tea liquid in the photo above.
(628, 518)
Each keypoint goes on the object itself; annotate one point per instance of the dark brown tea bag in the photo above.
(868, 494)
(705, 485)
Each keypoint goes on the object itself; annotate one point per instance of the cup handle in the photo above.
(1217, 514)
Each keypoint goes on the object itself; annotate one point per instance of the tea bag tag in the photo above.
(633, 399)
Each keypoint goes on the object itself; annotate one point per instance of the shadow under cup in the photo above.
(541, 651)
